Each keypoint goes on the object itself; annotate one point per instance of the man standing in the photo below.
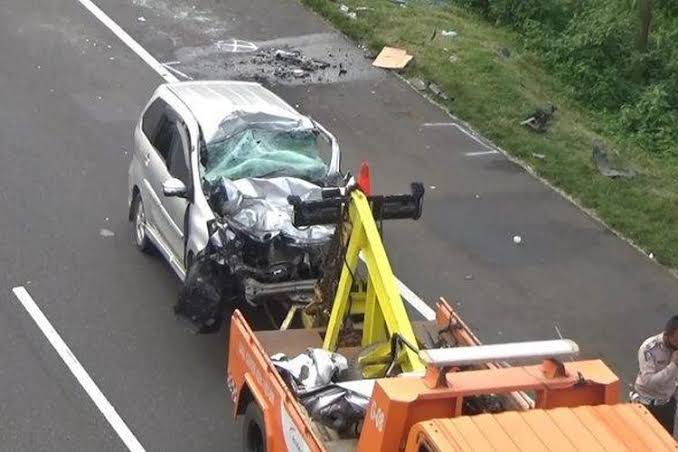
(657, 379)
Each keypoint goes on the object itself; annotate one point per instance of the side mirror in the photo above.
(174, 187)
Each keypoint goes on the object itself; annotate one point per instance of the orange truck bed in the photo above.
(620, 427)
(575, 407)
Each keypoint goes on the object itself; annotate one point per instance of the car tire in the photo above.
(254, 429)
(139, 218)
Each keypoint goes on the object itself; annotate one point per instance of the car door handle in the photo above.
(147, 159)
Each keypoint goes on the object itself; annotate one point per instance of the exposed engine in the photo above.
(254, 254)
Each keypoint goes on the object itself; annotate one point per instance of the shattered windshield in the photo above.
(263, 152)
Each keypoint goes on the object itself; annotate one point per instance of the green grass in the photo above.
(494, 94)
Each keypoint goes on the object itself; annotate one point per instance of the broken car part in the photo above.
(312, 376)
(539, 120)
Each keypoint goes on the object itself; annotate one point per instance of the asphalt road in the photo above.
(71, 92)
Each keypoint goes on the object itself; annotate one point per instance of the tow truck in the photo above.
(427, 385)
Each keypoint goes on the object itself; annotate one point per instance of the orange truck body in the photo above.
(618, 427)
(576, 405)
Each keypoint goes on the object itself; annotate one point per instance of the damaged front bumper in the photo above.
(236, 269)
(257, 292)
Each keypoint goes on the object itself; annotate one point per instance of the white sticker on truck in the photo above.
(294, 440)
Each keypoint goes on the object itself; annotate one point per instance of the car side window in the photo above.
(151, 118)
(177, 164)
(164, 137)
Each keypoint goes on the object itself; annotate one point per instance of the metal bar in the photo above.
(480, 354)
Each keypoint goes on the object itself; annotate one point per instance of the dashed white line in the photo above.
(417, 303)
(476, 154)
(177, 71)
(412, 298)
(78, 371)
(439, 124)
(129, 41)
(462, 130)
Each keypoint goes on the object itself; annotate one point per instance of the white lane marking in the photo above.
(177, 71)
(417, 303)
(78, 371)
(164, 72)
(462, 130)
(411, 298)
(439, 124)
(475, 154)
(129, 41)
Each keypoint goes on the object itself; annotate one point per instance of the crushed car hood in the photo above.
(261, 208)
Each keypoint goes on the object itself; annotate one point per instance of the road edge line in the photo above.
(77, 370)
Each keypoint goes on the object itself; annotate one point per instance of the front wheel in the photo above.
(140, 235)
(254, 429)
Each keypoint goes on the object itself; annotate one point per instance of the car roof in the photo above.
(212, 101)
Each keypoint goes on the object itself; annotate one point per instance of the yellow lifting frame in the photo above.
(385, 313)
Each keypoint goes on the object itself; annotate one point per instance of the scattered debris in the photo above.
(433, 187)
(285, 64)
(538, 121)
(106, 233)
(419, 84)
(347, 12)
(468, 277)
(504, 52)
(294, 57)
(435, 89)
(539, 156)
(449, 33)
(453, 58)
(392, 58)
(477, 196)
(517, 239)
(141, 19)
(603, 164)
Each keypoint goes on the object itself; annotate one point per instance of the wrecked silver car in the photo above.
(227, 156)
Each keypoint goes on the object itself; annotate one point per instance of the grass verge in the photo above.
(494, 93)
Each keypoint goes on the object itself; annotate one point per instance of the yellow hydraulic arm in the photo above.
(385, 317)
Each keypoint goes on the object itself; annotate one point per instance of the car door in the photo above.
(152, 148)
(166, 140)
(178, 167)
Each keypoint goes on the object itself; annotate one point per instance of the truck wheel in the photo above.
(139, 215)
(254, 429)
